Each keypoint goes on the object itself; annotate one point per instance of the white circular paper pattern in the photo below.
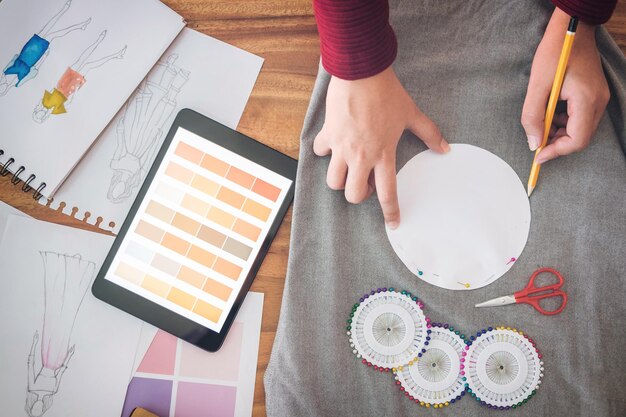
(503, 368)
(436, 376)
(465, 217)
(388, 329)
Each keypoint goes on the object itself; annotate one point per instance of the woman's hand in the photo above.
(364, 121)
(584, 88)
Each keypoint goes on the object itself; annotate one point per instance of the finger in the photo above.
(336, 174)
(560, 119)
(321, 147)
(356, 183)
(425, 129)
(385, 175)
(581, 124)
(533, 112)
(371, 184)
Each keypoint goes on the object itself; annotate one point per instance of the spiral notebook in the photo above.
(197, 72)
(66, 68)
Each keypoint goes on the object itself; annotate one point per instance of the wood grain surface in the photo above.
(285, 35)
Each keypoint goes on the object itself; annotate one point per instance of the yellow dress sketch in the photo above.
(55, 102)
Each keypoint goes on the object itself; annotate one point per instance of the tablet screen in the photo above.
(198, 230)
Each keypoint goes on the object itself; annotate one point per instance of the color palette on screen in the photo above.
(198, 230)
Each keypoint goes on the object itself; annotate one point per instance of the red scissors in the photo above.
(531, 294)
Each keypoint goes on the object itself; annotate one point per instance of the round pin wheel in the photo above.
(503, 367)
(387, 329)
(436, 379)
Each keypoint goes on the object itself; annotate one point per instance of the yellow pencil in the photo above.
(554, 97)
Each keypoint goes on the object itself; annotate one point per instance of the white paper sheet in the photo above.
(197, 72)
(59, 344)
(465, 217)
(5, 212)
(112, 44)
(188, 379)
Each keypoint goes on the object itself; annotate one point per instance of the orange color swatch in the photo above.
(201, 256)
(220, 291)
(230, 197)
(175, 243)
(246, 229)
(181, 298)
(207, 311)
(257, 210)
(266, 189)
(240, 177)
(215, 165)
(227, 269)
(185, 224)
(155, 286)
(189, 153)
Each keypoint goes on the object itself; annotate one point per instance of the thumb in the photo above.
(534, 110)
(425, 129)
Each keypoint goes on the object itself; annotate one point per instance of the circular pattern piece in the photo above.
(388, 329)
(503, 368)
(465, 217)
(436, 379)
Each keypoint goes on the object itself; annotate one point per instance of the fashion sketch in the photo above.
(66, 281)
(141, 127)
(72, 80)
(24, 66)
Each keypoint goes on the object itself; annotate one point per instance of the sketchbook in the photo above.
(66, 68)
(198, 72)
(64, 353)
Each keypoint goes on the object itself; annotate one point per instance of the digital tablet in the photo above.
(198, 230)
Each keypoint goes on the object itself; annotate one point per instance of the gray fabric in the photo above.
(467, 65)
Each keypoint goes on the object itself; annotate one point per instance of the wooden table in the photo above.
(284, 33)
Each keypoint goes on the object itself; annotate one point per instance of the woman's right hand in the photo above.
(364, 121)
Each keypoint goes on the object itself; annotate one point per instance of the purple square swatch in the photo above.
(154, 395)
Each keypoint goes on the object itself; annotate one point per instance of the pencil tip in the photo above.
(530, 190)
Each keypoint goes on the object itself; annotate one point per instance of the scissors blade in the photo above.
(500, 301)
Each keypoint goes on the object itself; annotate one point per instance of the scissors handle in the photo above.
(534, 301)
(531, 289)
(532, 294)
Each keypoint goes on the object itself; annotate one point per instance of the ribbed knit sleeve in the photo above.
(356, 38)
(593, 12)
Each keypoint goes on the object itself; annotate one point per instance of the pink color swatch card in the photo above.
(177, 379)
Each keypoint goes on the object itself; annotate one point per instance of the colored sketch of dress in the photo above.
(31, 53)
(140, 130)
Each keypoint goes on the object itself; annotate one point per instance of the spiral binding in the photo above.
(15, 179)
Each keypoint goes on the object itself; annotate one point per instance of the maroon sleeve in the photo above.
(593, 12)
(356, 38)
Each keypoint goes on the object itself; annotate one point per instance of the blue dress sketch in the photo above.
(56, 101)
(142, 125)
(66, 281)
(25, 65)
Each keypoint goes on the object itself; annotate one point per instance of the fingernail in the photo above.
(393, 224)
(446, 147)
(533, 142)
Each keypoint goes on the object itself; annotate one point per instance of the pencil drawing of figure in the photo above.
(71, 81)
(142, 126)
(66, 280)
(25, 65)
